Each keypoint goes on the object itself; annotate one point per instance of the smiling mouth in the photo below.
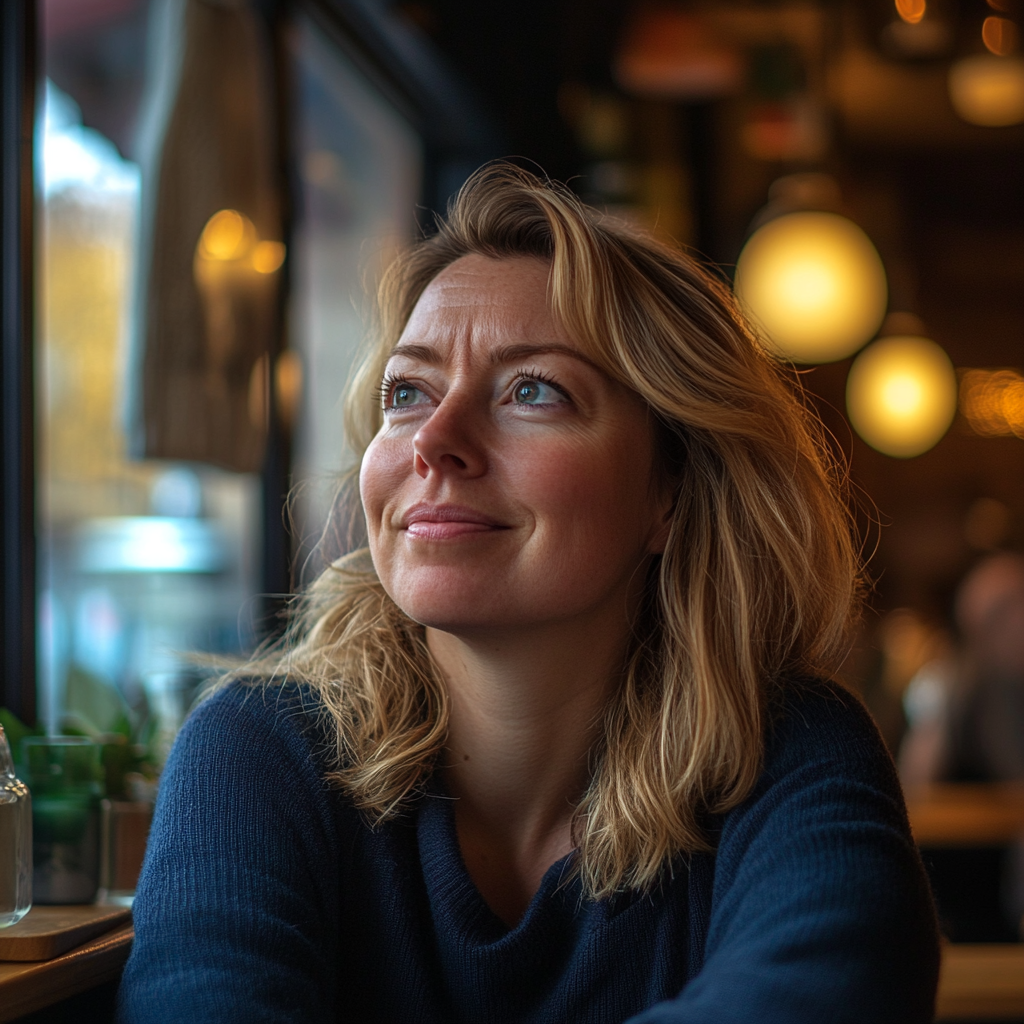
(447, 522)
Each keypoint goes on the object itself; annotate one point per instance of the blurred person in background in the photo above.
(966, 711)
(986, 720)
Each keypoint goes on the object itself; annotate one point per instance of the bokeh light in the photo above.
(901, 395)
(231, 237)
(988, 90)
(1000, 36)
(993, 402)
(814, 284)
(911, 11)
(228, 235)
(267, 257)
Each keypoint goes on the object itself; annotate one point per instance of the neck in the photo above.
(525, 710)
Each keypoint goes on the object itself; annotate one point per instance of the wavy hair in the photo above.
(757, 588)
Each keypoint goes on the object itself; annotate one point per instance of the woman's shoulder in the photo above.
(254, 726)
(816, 880)
(281, 704)
(824, 761)
(818, 721)
(255, 755)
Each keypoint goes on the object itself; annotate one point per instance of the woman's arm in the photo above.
(821, 910)
(236, 910)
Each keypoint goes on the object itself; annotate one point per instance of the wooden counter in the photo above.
(981, 983)
(961, 815)
(25, 987)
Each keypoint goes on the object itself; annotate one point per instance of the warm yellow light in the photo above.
(288, 386)
(901, 395)
(814, 284)
(228, 235)
(993, 401)
(267, 257)
(988, 90)
(911, 11)
(1000, 36)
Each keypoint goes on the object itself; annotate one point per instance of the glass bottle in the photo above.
(15, 841)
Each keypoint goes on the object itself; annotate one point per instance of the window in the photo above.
(144, 562)
(140, 561)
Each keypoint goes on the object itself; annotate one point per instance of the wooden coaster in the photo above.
(47, 932)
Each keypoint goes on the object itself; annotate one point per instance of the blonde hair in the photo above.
(756, 589)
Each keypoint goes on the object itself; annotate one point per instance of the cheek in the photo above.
(379, 476)
(586, 494)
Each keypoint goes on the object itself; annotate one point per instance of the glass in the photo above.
(139, 560)
(15, 841)
(63, 774)
(124, 829)
(360, 178)
(143, 560)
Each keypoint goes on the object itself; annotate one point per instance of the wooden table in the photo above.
(981, 983)
(25, 987)
(958, 815)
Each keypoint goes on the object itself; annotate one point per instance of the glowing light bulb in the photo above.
(814, 284)
(901, 395)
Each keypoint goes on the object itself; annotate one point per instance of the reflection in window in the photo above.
(140, 562)
(360, 170)
(144, 561)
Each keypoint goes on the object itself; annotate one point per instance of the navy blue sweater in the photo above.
(265, 897)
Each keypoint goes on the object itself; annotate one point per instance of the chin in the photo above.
(452, 611)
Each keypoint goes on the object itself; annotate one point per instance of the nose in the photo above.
(451, 441)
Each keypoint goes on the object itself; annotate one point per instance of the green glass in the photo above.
(63, 773)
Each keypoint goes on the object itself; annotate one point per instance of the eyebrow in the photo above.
(499, 357)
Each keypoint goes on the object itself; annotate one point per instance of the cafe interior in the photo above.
(198, 199)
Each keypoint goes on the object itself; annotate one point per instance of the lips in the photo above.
(445, 522)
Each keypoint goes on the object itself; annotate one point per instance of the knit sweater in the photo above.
(265, 896)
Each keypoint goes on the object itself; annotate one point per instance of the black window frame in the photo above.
(18, 66)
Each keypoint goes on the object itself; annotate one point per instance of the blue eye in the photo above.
(536, 392)
(403, 396)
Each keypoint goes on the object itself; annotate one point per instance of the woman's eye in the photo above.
(536, 392)
(402, 396)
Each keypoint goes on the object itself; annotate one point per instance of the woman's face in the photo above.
(510, 484)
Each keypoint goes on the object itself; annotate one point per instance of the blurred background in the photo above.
(200, 194)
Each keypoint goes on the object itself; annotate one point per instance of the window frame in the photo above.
(457, 136)
(18, 70)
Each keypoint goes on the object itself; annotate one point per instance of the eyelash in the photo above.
(538, 375)
(390, 381)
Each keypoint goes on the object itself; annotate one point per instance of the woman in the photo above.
(559, 749)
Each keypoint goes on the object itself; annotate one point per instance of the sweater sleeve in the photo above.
(821, 910)
(232, 921)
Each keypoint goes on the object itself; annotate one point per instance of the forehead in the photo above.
(480, 300)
